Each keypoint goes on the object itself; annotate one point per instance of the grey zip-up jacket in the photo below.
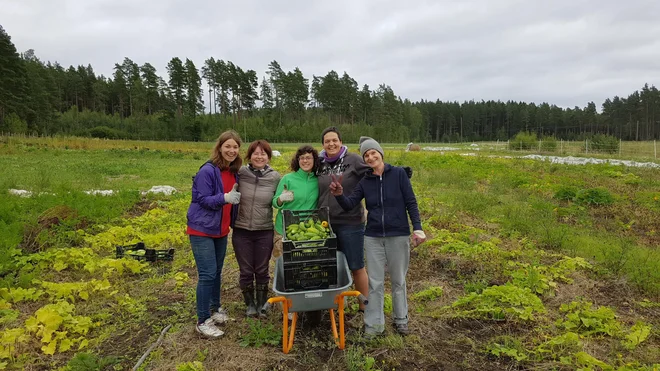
(257, 187)
(353, 169)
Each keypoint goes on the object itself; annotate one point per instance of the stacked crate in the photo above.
(139, 251)
(309, 264)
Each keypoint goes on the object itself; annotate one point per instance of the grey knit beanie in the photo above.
(367, 143)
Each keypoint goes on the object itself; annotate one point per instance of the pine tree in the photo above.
(266, 95)
(13, 83)
(177, 84)
(209, 76)
(151, 85)
(195, 102)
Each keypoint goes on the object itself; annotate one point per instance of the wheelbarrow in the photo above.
(331, 298)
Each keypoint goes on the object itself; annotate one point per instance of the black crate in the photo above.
(294, 251)
(140, 252)
(308, 253)
(310, 275)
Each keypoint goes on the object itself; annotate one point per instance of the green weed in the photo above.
(260, 333)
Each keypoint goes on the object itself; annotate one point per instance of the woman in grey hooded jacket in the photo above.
(253, 230)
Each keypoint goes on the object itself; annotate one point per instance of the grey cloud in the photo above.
(563, 52)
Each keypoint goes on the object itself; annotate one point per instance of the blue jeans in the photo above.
(350, 241)
(209, 257)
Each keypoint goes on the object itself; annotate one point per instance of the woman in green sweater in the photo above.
(299, 189)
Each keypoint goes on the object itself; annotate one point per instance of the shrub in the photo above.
(549, 144)
(105, 133)
(523, 140)
(566, 193)
(14, 124)
(594, 196)
(604, 143)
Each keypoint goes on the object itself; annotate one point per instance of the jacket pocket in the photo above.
(392, 218)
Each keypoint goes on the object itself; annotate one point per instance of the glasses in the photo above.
(306, 158)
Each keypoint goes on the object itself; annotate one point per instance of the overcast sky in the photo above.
(564, 52)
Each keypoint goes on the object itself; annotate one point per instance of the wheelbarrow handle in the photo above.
(363, 299)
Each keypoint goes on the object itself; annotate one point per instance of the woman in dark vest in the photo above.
(253, 230)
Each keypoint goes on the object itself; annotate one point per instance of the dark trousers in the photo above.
(253, 250)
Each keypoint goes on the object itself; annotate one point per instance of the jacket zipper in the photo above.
(308, 192)
(382, 205)
(222, 189)
(254, 194)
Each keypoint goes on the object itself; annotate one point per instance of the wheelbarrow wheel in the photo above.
(312, 319)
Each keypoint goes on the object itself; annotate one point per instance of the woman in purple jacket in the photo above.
(390, 200)
(211, 213)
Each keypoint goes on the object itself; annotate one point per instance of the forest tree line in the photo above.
(136, 102)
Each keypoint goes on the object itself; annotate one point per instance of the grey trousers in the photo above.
(393, 253)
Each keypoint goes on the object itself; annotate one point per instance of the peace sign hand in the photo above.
(336, 188)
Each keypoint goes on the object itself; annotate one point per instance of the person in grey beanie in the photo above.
(367, 143)
(390, 201)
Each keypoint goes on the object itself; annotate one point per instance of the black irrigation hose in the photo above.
(146, 354)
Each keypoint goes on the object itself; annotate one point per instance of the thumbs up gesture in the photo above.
(286, 196)
(234, 196)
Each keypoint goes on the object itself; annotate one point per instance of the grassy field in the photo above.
(529, 265)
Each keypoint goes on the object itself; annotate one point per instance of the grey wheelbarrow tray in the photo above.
(313, 300)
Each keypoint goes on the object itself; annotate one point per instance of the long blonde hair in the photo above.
(216, 154)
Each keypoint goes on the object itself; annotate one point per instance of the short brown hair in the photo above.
(256, 144)
(216, 154)
(295, 165)
(330, 129)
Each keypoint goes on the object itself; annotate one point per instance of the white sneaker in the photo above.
(220, 316)
(209, 329)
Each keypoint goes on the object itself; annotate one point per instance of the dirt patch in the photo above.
(140, 208)
(33, 239)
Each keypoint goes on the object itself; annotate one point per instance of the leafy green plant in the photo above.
(567, 265)
(586, 361)
(428, 294)
(646, 303)
(190, 366)
(260, 333)
(8, 316)
(632, 179)
(594, 196)
(559, 347)
(508, 346)
(566, 193)
(534, 278)
(18, 294)
(387, 304)
(583, 319)
(54, 323)
(73, 290)
(476, 286)
(91, 362)
(356, 360)
(636, 335)
(507, 302)
(9, 339)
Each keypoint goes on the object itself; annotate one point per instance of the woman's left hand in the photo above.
(418, 237)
